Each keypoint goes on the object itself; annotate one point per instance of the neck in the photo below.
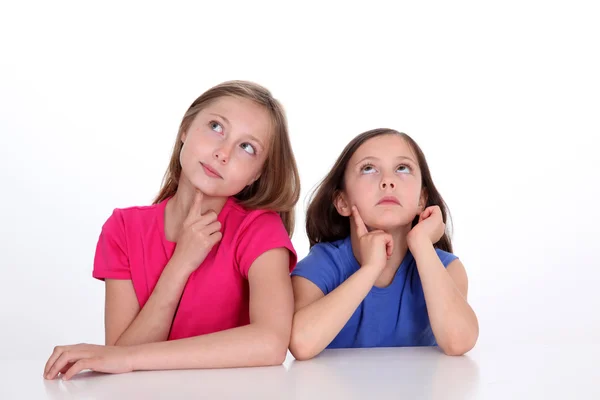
(179, 206)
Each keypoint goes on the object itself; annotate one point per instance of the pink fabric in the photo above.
(132, 245)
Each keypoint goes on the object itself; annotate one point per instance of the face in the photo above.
(383, 180)
(226, 145)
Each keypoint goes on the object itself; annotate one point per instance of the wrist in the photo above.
(373, 269)
(170, 285)
(177, 270)
(418, 243)
(131, 354)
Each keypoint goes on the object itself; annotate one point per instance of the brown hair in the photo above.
(278, 187)
(325, 224)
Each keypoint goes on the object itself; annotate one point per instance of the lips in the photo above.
(389, 200)
(210, 171)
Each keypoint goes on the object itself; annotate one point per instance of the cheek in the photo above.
(198, 143)
(413, 191)
(245, 166)
(361, 193)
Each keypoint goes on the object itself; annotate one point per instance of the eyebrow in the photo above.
(229, 123)
(375, 158)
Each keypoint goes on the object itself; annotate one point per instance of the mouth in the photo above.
(210, 171)
(389, 200)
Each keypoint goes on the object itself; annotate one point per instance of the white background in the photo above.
(504, 99)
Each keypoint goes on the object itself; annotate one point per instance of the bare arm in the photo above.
(453, 321)
(263, 342)
(318, 318)
(126, 325)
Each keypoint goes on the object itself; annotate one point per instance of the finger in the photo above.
(209, 217)
(389, 245)
(66, 368)
(58, 350)
(65, 358)
(200, 224)
(361, 228)
(196, 208)
(56, 354)
(77, 368)
(215, 237)
(426, 214)
(212, 227)
(59, 364)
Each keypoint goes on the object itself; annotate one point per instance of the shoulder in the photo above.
(455, 269)
(120, 230)
(445, 257)
(250, 233)
(325, 253)
(327, 265)
(134, 212)
(256, 222)
(123, 221)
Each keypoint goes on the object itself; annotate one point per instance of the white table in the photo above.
(399, 373)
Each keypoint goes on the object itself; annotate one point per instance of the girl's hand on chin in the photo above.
(430, 227)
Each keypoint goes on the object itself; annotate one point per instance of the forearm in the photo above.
(453, 322)
(317, 324)
(247, 346)
(153, 323)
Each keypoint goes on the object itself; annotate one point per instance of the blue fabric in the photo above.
(388, 317)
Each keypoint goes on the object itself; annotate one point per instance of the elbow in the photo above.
(459, 343)
(455, 349)
(300, 348)
(278, 354)
(276, 351)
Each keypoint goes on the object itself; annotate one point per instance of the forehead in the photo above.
(244, 116)
(384, 147)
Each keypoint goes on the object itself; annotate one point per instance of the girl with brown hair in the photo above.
(380, 272)
(200, 279)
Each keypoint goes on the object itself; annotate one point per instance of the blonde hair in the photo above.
(278, 187)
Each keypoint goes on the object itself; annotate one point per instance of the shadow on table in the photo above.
(423, 373)
(235, 383)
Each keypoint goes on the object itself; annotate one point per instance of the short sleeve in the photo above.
(445, 257)
(110, 260)
(262, 233)
(320, 268)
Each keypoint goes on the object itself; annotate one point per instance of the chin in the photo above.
(205, 188)
(214, 187)
(389, 224)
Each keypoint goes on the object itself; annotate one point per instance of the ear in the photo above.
(254, 179)
(423, 200)
(341, 204)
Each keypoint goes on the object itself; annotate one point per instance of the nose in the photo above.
(387, 183)
(221, 154)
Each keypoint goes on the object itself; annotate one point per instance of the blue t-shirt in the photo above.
(388, 317)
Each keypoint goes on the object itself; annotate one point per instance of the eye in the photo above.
(367, 169)
(215, 126)
(403, 169)
(247, 147)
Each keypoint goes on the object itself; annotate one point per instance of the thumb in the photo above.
(389, 246)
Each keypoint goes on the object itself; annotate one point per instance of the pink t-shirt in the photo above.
(132, 245)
